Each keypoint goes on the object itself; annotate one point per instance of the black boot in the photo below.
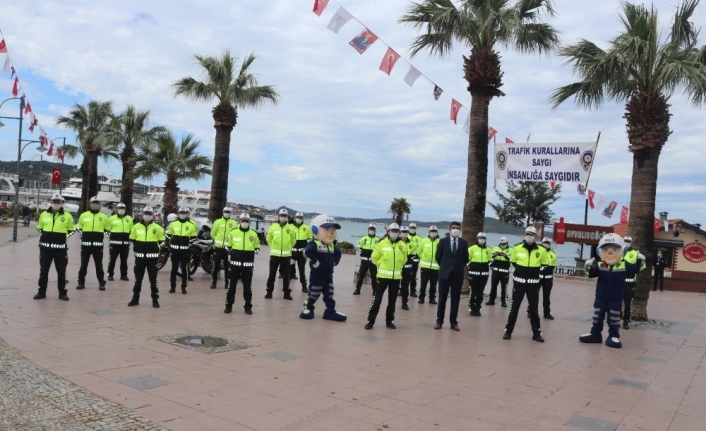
(155, 303)
(101, 286)
(356, 292)
(490, 302)
(228, 309)
(213, 284)
(538, 337)
(421, 300)
(63, 296)
(172, 290)
(183, 290)
(40, 295)
(404, 305)
(135, 301)
(507, 335)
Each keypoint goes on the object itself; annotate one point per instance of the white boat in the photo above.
(27, 194)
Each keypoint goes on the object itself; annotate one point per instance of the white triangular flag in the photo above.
(412, 75)
(6, 66)
(339, 19)
(467, 124)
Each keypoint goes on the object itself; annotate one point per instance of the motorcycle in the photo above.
(200, 252)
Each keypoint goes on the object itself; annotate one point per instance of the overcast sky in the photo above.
(345, 138)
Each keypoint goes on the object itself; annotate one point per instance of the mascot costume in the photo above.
(611, 270)
(322, 255)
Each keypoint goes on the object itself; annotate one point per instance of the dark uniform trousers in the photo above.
(628, 295)
(477, 279)
(283, 264)
(220, 258)
(546, 281)
(244, 273)
(520, 288)
(299, 261)
(367, 265)
(115, 251)
(392, 286)
(498, 275)
(430, 276)
(413, 279)
(60, 257)
(180, 261)
(407, 275)
(86, 253)
(150, 265)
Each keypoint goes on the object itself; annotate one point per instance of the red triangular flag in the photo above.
(28, 108)
(51, 150)
(455, 107)
(552, 185)
(656, 225)
(624, 214)
(16, 87)
(3, 46)
(591, 195)
(60, 154)
(491, 133)
(319, 6)
(389, 60)
(509, 141)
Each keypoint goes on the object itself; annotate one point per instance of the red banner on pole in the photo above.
(56, 176)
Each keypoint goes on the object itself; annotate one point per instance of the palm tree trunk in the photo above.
(83, 203)
(171, 197)
(127, 188)
(92, 174)
(477, 174)
(641, 223)
(219, 178)
(398, 219)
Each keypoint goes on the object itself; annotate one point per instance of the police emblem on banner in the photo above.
(587, 160)
(501, 159)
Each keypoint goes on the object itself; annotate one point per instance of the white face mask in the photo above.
(393, 235)
(299, 220)
(455, 232)
(481, 241)
(547, 246)
(503, 245)
(182, 216)
(147, 218)
(121, 212)
(56, 207)
(226, 215)
(529, 239)
(433, 234)
(283, 219)
(371, 232)
(95, 207)
(413, 230)
(244, 224)
(403, 235)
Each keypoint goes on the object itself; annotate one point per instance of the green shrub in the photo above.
(345, 245)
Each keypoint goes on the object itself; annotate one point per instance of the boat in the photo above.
(32, 193)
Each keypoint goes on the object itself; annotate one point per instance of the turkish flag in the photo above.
(491, 133)
(656, 225)
(28, 108)
(51, 150)
(624, 213)
(509, 141)
(319, 6)
(60, 154)
(56, 176)
(388, 62)
(16, 87)
(591, 195)
(455, 107)
(3, 46)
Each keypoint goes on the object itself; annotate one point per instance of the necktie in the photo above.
(453, 248)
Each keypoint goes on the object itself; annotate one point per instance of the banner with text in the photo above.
(567, 163)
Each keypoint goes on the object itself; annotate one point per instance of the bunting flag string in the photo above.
(17, 90)
(319, 6)
(388, 62)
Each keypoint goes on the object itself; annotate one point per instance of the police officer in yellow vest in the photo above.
(428, 266)
(366, 245)
(181, 233)
(416, 239)
(390, 255)
(220, 233)
(303, 232)
(243, 244)
(93, 225)
(479, 258)
(500, 272)
(146, 236)
(631, 256)
(281, 238)
(407, 270)
(55, 226)
(120, 226)
(546, 278)
(527, 257)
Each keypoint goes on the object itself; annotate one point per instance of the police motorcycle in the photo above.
(202, 250)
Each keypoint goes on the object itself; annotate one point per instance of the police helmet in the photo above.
(480, 235)
(503, 240)
(120, 206)
(244, 216)
(530, 230)
(433, 228)
(227, 210)
(404, 229)
(323, 221)
(171, 217)
(627, 240)
(183, 210)
(147, 210)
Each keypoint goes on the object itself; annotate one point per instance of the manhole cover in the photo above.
(202, 341)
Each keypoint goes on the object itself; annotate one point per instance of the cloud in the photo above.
(345, 138)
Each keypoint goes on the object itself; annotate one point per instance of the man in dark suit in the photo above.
(452, 256)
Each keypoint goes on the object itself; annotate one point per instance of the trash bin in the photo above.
(366, 280)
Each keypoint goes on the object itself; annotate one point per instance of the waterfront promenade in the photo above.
(94, 363)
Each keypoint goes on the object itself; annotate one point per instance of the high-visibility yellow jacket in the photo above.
(55, 228)
(281, 239)
(93, 225)
(427, 253)
(147, 238)
(221, 229)
(120, 228)
(390, 257)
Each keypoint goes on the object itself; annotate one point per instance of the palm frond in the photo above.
(541, 38)
(194, 90)
(683, 33)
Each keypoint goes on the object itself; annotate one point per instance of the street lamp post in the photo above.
(19, 156)
(39, 184)
(20, 150)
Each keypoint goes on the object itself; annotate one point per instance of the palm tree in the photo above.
(234, 89)
(399, 207)
(481, 26)
(176, 162)
(642, 66)
(131, 129)
(90, 123)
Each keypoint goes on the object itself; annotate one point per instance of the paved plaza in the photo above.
(93, 363)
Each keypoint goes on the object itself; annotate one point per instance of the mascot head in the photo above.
(610, 248)
(324, 228)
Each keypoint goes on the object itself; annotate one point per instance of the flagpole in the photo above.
(585, 209)
(495, 180)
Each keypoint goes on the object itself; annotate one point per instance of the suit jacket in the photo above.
(450, 264)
